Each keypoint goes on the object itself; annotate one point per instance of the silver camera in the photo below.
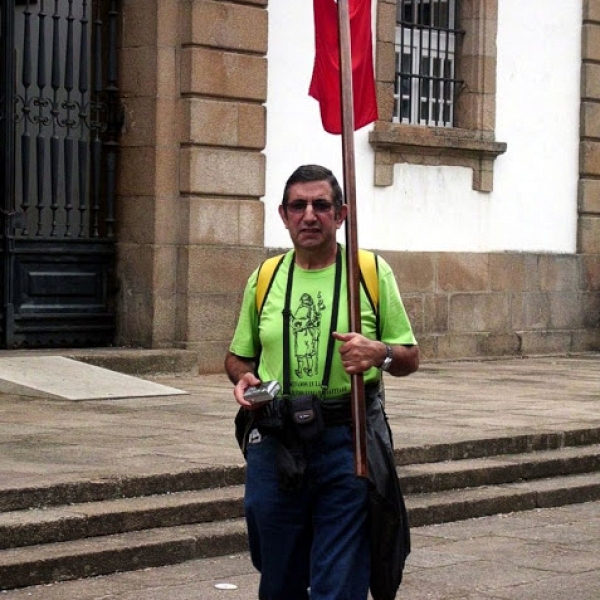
(264, 392)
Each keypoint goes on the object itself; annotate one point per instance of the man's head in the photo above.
(308, 173)
(312, 210)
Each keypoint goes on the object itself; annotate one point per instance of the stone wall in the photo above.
(469, 305)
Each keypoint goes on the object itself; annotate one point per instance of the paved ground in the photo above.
(58, 440)
(551, 554)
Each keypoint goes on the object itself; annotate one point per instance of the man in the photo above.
(306, 511)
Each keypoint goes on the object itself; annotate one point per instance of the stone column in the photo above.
(194, 81)
(588, 239)
(148, 192)
(222, 168)
(588, 224)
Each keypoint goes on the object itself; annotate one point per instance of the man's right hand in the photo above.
(247, 380)
(241, 373)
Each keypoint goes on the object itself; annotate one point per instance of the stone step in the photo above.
(108, 517)
(63, 561)
(45, 563)
(136, 361)
(448, 475)
(91, 518)
(131, 361)
(498, 446)
(458, 505)
(51, 492)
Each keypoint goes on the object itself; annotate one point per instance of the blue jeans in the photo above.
(316, 537)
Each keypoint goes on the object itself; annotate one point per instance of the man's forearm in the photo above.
(405, 360)
(236, 367)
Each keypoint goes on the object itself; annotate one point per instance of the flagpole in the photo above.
(357, 393)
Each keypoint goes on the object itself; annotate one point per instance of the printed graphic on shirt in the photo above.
(305, 325)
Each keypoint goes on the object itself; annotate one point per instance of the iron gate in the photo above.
(59, 124)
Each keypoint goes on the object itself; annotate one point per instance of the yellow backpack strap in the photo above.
(266, 275)
(368, 274)
(369, 277)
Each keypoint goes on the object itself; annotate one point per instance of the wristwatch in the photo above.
(387, 361)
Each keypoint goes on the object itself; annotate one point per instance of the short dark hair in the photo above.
(307, 173)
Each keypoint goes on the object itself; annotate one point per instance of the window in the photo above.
(425, 87)
(436, 87)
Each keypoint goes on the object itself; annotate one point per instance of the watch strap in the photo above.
(387, 361)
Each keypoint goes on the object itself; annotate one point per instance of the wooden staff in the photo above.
(357, 391)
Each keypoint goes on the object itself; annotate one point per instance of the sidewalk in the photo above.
(552, 554)
(549, 554)
(51, 441)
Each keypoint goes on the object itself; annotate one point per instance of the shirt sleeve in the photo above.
(395, 325)
(245, 342)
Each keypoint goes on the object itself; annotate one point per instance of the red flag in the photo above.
(325, 83)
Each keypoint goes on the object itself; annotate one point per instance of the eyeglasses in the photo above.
(299, 206)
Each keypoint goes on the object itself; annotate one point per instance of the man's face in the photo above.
(310, 216)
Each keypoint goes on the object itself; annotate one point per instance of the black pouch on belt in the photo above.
(307, 416)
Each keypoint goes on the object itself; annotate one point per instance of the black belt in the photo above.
(339, 410)
(336, 411)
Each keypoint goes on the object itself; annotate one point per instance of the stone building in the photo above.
(479, 183)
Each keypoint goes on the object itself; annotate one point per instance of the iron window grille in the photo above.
(425, 80)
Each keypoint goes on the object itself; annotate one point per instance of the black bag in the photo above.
(268, 419)
(275, 419)
(243, 423)
(389, 527)
(307, 417)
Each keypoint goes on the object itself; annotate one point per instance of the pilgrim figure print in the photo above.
(306, 328)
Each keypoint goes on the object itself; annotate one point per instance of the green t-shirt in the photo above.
(310, 324)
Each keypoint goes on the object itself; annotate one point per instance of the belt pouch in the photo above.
(307, 416)
(270, 418)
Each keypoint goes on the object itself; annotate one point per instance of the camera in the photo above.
(264, 392)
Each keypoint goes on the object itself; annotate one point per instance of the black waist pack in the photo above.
(307, 416)
(292, 422)
(268, 419)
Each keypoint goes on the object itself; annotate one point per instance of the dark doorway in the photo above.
(59, 125)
